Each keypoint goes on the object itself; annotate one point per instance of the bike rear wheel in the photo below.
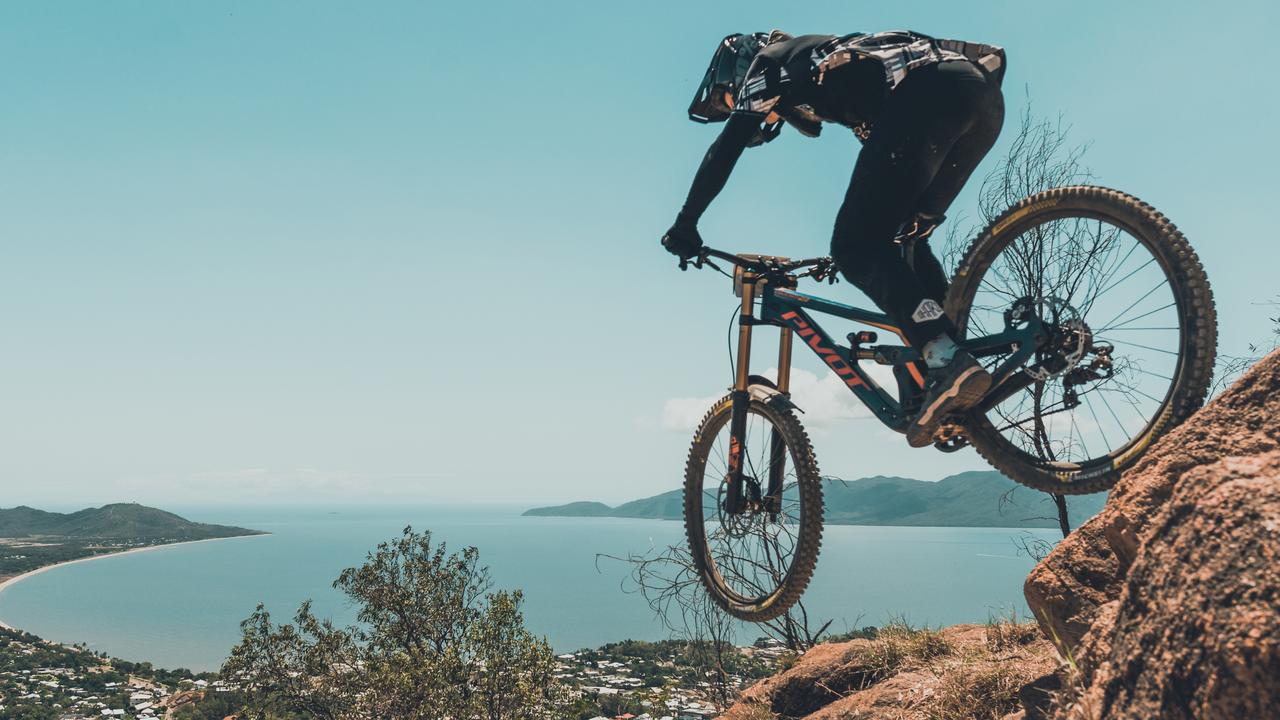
(1132, 334)
(755, 564)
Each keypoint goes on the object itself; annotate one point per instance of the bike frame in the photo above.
(790, 311)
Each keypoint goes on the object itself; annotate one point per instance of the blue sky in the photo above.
(407, 252)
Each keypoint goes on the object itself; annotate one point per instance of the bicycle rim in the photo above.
(757, 563)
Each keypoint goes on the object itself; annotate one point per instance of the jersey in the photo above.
(811, 79)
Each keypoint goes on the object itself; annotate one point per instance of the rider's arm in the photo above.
(718, 163)
(752, 122)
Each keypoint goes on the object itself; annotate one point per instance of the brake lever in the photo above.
(828, 273)
(697, 261)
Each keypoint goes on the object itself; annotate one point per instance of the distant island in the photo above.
(982, 498)
(31, 539)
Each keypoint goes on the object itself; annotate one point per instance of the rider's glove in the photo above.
(683, 239)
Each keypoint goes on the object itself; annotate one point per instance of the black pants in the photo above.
(933, 131)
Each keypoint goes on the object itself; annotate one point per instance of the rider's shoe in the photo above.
(956, 386)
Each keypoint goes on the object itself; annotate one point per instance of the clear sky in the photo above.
(278, 252)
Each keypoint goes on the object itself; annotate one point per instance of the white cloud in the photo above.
(684, 414)
(825, 400)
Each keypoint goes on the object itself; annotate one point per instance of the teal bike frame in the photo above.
(780, 305)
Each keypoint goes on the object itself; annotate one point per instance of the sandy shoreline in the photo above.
(19, 578)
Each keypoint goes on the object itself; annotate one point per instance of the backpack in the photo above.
(901, 51)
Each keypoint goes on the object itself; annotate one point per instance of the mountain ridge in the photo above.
(114, 521)
(976, 498)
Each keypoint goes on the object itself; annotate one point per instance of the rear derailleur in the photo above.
(1100, 367)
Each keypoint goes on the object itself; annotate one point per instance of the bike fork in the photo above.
(777, 447)
(741, 398)
(741, 401)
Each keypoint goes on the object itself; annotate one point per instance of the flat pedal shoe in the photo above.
(958, 386)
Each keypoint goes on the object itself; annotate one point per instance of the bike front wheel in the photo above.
(755, 562)
(1129, 335)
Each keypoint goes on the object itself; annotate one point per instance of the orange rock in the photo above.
(1168, 600)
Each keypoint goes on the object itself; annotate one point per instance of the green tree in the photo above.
(212, 706)
(434, 640)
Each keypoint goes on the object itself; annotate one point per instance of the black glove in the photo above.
(683, 239)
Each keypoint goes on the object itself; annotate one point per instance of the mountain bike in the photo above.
(1088, 307)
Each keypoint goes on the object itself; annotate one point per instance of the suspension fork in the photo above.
(777, 446)
(741, 397)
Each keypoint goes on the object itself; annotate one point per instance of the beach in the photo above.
(5, 585)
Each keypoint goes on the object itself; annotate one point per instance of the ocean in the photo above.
(181, 606)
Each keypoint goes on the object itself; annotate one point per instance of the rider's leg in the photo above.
(933, 278)
(911, 143)
(966, 153)
(962, 159)
(908, 148)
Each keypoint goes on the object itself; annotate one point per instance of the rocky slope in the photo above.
(1168, 601)
(960, 671)
(1164, 605)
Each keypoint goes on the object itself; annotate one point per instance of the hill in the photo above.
(982, 498)
(575, 509)
(120, 521)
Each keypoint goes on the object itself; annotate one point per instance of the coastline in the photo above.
(19, 578)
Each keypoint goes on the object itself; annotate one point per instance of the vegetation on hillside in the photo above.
(31, 538)
(957, 673)
(434, 640)
(41, 680)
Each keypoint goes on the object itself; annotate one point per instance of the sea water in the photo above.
(181, 606)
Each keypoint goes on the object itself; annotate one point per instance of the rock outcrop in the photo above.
(960, 671)
(1168, 601)
(1164, 605)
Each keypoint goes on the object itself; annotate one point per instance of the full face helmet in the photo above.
(728, 69)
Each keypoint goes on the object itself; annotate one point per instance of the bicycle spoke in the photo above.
(1110, 323)
(1098, 423)
(1126, 277)
(1074, 272)
(751, 552)
(1114, 327)
(1145, 347)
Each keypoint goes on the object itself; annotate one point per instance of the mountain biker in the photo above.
(927, 111)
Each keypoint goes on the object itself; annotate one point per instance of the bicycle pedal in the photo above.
(951, 445)
(950, 437)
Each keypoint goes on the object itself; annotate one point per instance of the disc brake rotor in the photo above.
(1070, 338)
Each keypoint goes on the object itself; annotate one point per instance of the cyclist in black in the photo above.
(926, 110)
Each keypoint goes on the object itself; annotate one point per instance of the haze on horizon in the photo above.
(409, 254)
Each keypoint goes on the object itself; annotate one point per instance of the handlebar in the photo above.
(822, 268)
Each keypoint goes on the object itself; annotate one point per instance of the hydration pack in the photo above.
(901, 51)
